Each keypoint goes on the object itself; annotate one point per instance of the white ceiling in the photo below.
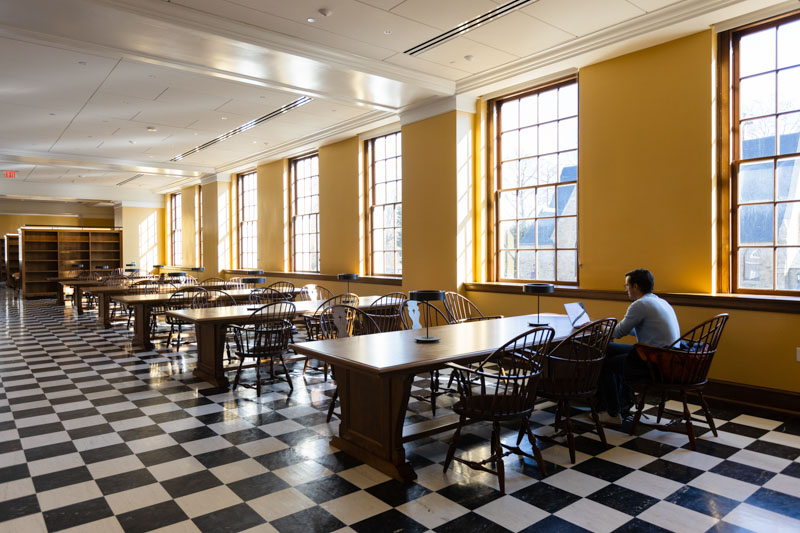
(95, 92)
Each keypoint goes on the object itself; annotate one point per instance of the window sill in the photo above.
(749, 302)
(374, 280)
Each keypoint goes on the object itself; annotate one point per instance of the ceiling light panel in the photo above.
(443, 14)
(452, 53)
(519, 34)
(583, 16)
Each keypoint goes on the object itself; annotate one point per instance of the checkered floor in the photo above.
(97, 436)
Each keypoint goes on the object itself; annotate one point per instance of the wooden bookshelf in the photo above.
(3, 259)
(11, 258)
(52, 252)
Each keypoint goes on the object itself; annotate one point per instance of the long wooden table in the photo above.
(210, 325)
(374, 375)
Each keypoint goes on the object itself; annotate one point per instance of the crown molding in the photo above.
(152, 205)
(76, 192)
(438, 106)
(756, 16)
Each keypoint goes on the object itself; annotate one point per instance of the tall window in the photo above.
(535, 197)
(248, 220)
(765, 156)
(176, 242)
(385, 219)
(305, 214)
(198, 225)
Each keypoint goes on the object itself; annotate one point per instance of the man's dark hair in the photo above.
(642, 278)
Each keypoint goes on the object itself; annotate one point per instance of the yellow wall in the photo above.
(645, 166)
(12, 223)
(339, 222)
(272, 180)
(187, 226)
(143, 229)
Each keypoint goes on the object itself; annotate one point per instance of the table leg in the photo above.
(104, 314)
(60, 295)
(141, 325)
(375, 435)
(210, 353)
(77, 299)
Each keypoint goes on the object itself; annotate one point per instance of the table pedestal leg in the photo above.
(60, 295)
(210, 353)
(141, 325)
(77, 299)
(374, 435)
(104, 313)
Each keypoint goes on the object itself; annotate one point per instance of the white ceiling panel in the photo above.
(179, 97)
(530, 35)
(428, 67)
(44, 63)
(582, 17)
(453, 54)
(653, 5)
(443, 14)
(386, 5)
(116, 106)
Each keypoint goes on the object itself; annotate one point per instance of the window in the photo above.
(247, 195)
(176, 242)
(198, 226)
(305, 214)
(765, 156)
(385, 213)
(535, 200)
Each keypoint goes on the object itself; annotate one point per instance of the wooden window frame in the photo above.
(728, 160)
(242, 204)
(369, 198)
(175, 229)
(293, 216)
(494, 170)
(198, 225)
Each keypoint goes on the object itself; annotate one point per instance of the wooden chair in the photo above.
(312, 322)
(237, 283)
(571, 372)
(212, 282)
(387, 311)
(181, 299)
(311, 292)
(501, 388)
(682, 367)
(215, 297)
(461, 309)
(265, 337)
(266, 295)
(145, 286)
(285, 287)
(340, 321)
(419, 315)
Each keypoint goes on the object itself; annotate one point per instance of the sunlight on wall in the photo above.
(223, 231)
(464, 192)
(148, 242)
(362, 212)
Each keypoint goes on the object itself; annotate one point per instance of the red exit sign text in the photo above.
(10, 173)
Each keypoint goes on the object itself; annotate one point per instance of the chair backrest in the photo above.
(145, 286)
(268, 331)
(688, 359)
(418, 315)
(573, 365)
(339, 321)
(504, 384)
(115, 281)
(460, 308)
(212, 297)
(184, 296)
(212, 282)
(387, 311)
(266, 295)
(237, 283)
(286, 287)
(347, 298)
(314, 292)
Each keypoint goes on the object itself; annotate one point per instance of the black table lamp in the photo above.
(538, 289)
(348, 276)
(254, 272)
(254, 280)
(426, 296)
(101, 267)
(176, 274)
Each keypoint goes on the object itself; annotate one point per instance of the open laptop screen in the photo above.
(577, 314)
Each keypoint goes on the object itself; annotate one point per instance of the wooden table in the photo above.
(77, 291)
(143, 305)
(211, 324)
(374, 375)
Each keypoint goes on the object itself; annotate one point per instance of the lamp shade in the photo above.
(131, 264)
(78, 265)
(254, 280)
(538, 288)
(134, 270)
(348, 276)
(254, 272)
(197, 269)
(158, 266)
(426, 296)
(101, 267)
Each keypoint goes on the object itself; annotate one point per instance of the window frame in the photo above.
(494, 170)
(247, 199)
(370, 207)
(729, 160)
(293, 212)
(198, 225)
(176, 229)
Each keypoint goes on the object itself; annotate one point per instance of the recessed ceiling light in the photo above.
(311, 19)
(223, 118)
(387, 32)
(195, 134)
(469, 57)
(52, 114)
(255, 142)
(82, 63)
(152, 128)
(132, 142)
(325, 12)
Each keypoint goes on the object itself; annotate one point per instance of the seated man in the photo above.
(652, 321)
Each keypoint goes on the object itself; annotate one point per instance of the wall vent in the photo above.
(469, 25)
(244, 127)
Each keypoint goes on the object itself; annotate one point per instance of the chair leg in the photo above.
(286, 373)
(661, 406)
(305, 366)
(258, 376)
(557, 421)
(325, 366)
(238, 374)
(570, 436)
(598, 425)
(639, 409)
(688, 416)
(498, 455)
(434, 390)
(707, 411)
(537, 453)
(178, 338)
(451, 451)
(333, 403)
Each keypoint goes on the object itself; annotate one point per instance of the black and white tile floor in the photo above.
(96, 436)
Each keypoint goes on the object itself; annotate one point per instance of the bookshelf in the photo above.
(52, 252)
(3, 259)
(11, 258)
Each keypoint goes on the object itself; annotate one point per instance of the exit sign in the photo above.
(10, 173)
